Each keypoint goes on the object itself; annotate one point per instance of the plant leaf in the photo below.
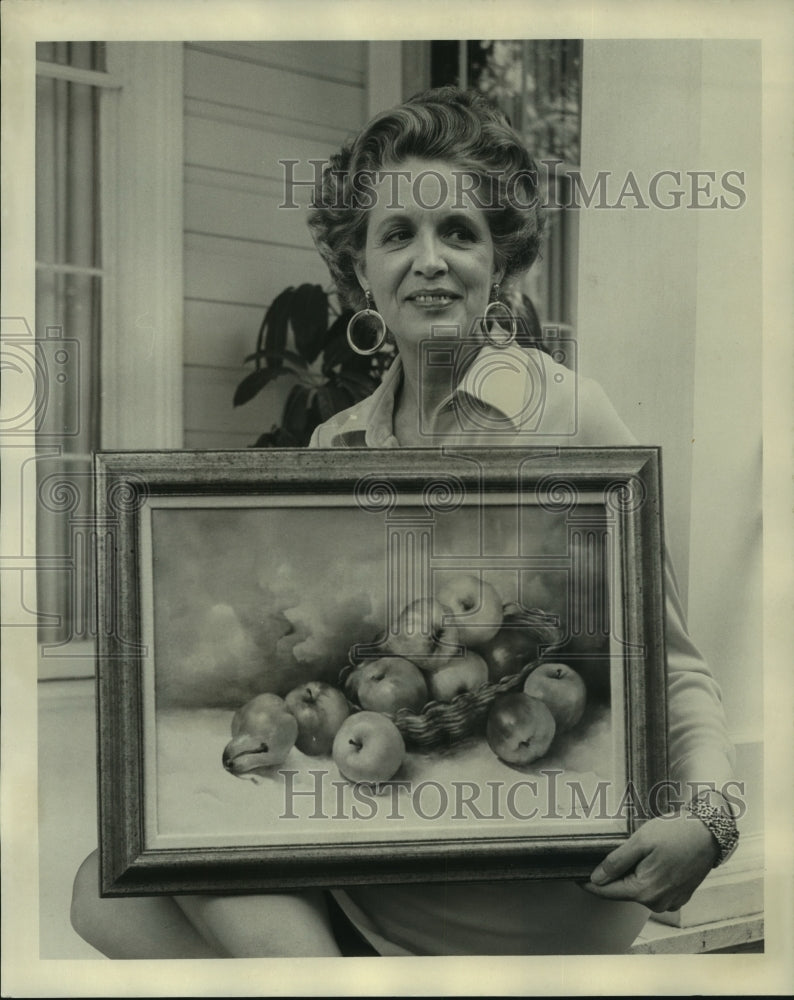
(274, 307)
(295, 411)
(254, 382)
(283, 356)
(342, 397)
(331, 399)
(338, 351)
(268, 439)
(277, 437)
(324, 402)
(359, 385)
(287, 440)
(530, 331)
(276, 321)
(309, 318)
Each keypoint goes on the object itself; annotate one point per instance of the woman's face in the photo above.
(429, 256)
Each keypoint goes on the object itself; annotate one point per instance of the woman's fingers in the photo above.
(623, 859)
(660, 865)
(623, 888)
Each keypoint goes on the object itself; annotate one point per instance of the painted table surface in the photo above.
(195, 802)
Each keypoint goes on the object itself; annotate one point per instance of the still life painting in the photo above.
(381, 669)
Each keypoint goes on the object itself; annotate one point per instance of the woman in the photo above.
(424, 218)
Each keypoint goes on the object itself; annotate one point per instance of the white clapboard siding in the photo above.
(243, 142)
(339, 60)
(224, 270)
(209, 394)
(222, 79)
(246, 210)
(220, 334)
(247, 106)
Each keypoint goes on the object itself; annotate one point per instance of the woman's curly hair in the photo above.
(446, 123)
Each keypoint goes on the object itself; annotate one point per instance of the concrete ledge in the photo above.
(722, 896)
(660, 939)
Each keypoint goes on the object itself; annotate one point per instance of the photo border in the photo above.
(24, 971)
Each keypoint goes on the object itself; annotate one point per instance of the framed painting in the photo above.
(321, 668)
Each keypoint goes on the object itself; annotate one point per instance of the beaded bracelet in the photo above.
(719, 822)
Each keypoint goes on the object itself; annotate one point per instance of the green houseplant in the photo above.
(303, 337)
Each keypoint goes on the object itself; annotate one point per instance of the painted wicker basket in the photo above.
(442, 724)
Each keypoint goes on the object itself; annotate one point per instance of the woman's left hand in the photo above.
(660, 865)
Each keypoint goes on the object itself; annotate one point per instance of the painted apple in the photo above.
(263, 733)
(562, 689)
(388, 684)
(368, 747)
(425, 636)
(320, 710)
(513, 646)
(463, 673)
(476, 607)
(519, 729)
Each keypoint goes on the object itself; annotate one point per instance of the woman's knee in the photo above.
(248, 926)
(84, 913)
(199, 926)
(131, 926)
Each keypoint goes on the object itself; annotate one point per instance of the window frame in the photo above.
(552, 286)
(142, 350)
(141, 217)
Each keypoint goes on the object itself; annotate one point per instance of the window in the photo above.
(72, 88)
(538, 86)
(108, 300)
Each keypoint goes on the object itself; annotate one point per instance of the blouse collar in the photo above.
(500, 380)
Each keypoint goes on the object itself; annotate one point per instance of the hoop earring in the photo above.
(370, 313)
(498, 314)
